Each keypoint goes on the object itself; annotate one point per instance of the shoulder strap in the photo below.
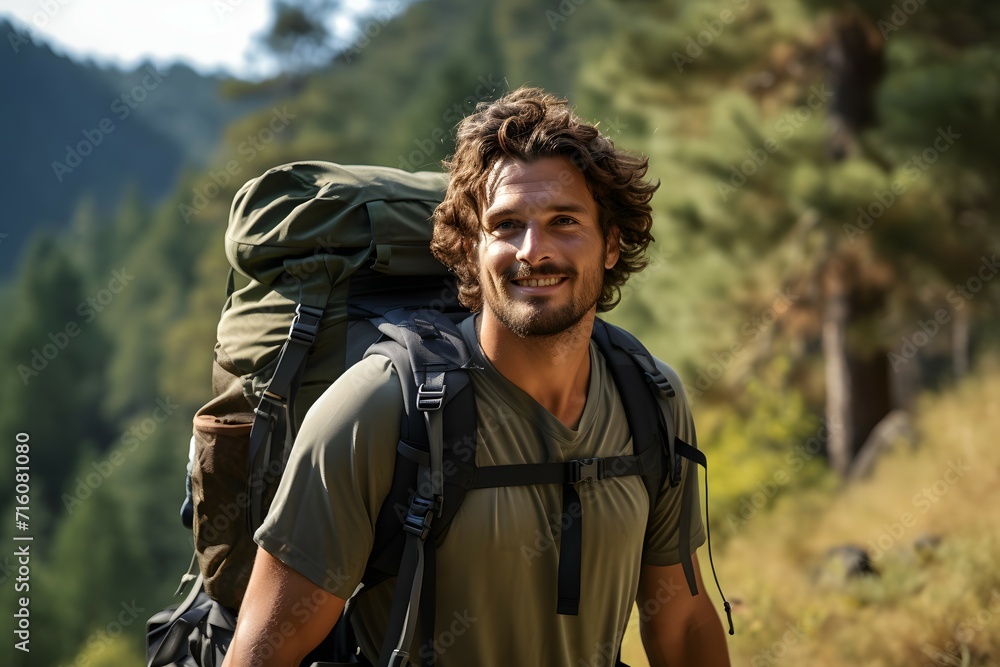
(430, 358)
(631, 363)
(273, 427)
(640, 384)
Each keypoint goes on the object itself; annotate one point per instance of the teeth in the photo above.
(544, 282)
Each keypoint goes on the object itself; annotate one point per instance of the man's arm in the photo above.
(678, 629)
(283, 617)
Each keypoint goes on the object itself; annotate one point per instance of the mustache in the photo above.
(520, 271)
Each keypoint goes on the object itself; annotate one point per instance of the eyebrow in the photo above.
(556, 208)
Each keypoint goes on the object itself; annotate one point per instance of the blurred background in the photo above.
(822, 278)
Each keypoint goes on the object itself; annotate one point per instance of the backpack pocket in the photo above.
(223, 543)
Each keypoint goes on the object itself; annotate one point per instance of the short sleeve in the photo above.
(662, 543)
(321, 522)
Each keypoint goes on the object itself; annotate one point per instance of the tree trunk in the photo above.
(870, 395)
(838, 378)
(960, 343)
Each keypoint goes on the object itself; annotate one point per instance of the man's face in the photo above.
(542, 253)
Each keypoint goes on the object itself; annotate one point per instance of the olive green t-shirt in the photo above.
(497, 568)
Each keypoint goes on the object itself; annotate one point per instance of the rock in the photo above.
(894, 427)
(846, 562)
(926, 547)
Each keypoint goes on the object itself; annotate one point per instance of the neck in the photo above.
(553, 370)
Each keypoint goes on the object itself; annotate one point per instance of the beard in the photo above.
(539, 316)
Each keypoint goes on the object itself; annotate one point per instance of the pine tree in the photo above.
(789, 136)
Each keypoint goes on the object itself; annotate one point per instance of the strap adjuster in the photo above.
(418, 518)
(586, 470)
(430, 399)
(658, 380)
(305, 324)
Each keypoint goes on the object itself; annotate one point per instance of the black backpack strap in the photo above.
(430, 356)
(273, 426)
(555, 472)
(697, 456)
(639, 385)
(630, 363)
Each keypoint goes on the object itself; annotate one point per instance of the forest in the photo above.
(822, 280)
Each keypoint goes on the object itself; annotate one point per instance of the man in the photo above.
(542, 223)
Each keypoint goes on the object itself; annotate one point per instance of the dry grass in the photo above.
(937, 606)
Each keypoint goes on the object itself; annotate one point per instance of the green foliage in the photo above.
(55, 357)
(113, 652)
(768, 447)
(732, 297)
(928, 604)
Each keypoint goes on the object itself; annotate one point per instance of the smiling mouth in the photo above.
(537, 282)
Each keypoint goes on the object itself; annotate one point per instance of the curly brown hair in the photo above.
(525, 125)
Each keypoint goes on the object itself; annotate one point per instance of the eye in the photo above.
(564, 220)
(503, 227)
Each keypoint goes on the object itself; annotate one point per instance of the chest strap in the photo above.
(528, 474)
(566, 473)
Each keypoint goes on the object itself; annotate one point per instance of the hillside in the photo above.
(927, 519)
(77, 130)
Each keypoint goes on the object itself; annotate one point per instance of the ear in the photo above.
(612, 249)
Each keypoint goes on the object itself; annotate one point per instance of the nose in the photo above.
(534, 247)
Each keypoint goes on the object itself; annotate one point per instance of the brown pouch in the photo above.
(222, 540)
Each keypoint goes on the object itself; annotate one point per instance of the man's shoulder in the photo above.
(368, 390)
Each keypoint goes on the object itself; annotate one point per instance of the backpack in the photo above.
(338, 267)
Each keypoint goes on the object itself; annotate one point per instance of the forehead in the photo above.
(545, 183)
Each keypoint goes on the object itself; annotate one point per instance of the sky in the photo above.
(208, 35)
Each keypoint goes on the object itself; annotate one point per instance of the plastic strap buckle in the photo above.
(658, 380)
(273, 399)
(430, 399)
(418, 518)
(399, 658)
(586, 470)
(305, 324)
